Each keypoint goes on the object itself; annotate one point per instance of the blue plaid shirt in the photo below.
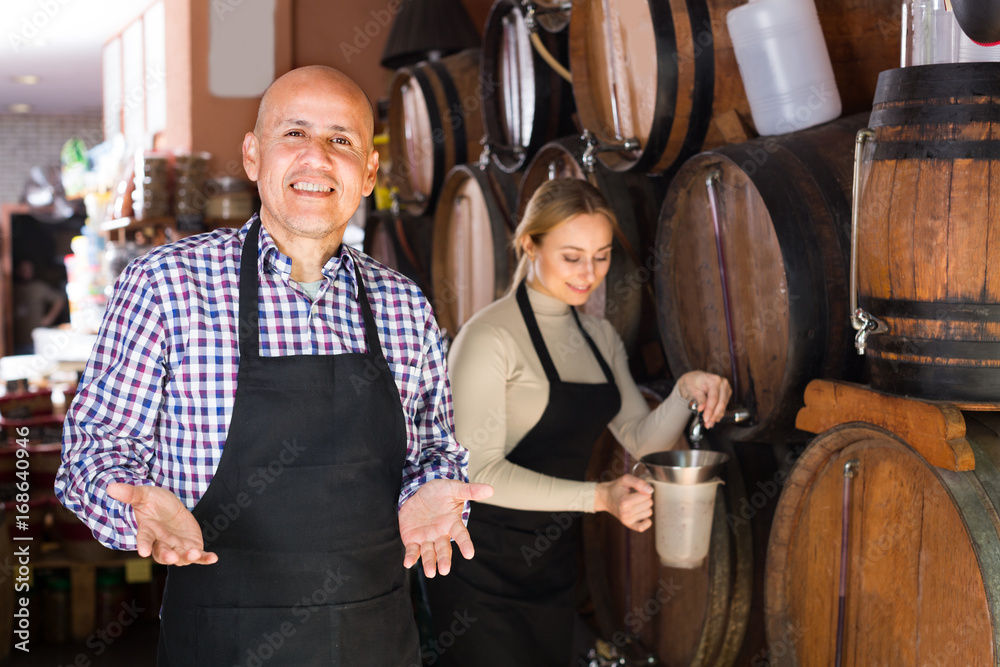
(156, 398)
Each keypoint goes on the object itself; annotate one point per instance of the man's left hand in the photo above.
(432, 517)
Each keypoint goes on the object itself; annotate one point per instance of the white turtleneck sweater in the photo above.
(500, 392)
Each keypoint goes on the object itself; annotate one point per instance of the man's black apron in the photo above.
(302, 514)
(521, 586)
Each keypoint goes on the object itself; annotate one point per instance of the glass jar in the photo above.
(190, 175)
(230, 199)
(930, 33)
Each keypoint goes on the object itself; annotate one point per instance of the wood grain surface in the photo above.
(923, 545)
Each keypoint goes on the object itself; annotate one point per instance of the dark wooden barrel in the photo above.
(923, 574)
(784, 213)
(927, 234)
(673, 77)
(402, 242)
(626, 297)
(711, 615)
(435, 122)
(653, 71)
(472, 261)
(525, 102)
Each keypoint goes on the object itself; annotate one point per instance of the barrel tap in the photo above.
(696, 432)
(863, 322)
(484, 157)
(593, 146)
(866, 325)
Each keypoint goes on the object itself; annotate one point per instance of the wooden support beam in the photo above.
(934, 429)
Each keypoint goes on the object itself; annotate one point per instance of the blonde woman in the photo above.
(534, 385)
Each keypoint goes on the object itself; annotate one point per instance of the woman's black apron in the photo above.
(302, 513)
(514, 603)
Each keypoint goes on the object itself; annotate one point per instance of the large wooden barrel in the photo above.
(711, 615)
(401, 242)
(435, 122)
(626, 297)
(923, 573)
(664, 72)
(783, 208)
(653, 70)
(525, 102)
(472, 261)
(928, 231)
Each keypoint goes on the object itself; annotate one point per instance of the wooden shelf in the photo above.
(133, 224)
(124, 227)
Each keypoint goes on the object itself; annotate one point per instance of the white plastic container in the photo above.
(784, 64)
(682, 519)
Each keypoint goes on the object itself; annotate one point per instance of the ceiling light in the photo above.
(26, 79)
(19, 108)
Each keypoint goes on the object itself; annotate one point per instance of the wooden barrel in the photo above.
(525, 102)
(923, 573)
(927, 232)
(626, 296)
(711, 615)
(783, 207)
(653, 70)
(401, 242)
(435, 122)
(471, 260)
(664, 72)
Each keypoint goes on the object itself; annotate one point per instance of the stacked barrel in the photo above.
(889, 515)
(735, 256)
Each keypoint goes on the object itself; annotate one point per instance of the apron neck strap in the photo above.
(371, 331)
(249, 301)
(597, 353)
(542, 350)
(536, 335)
(249, 296)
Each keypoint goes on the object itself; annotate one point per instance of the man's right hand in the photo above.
(167, 529)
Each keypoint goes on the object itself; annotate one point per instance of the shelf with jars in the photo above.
(161, 229)
(169, 195)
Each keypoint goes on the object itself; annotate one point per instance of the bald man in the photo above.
(267, 412)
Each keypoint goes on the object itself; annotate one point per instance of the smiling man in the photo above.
(267, 412)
